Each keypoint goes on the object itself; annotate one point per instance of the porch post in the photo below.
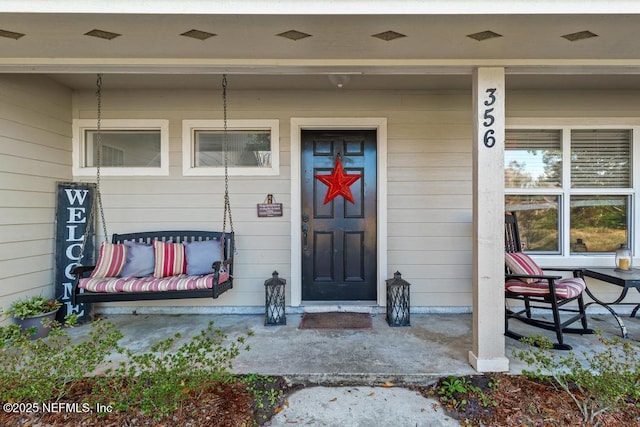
(488, 353)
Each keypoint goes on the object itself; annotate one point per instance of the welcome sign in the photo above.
(73, 210)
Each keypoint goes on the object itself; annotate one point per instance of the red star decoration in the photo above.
(339, 183)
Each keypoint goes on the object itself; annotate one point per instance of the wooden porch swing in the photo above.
(157, 265)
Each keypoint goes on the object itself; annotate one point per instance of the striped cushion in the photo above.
(110, 260)
(149, 284)
(170, 259)
(565, 288)
(521, 263)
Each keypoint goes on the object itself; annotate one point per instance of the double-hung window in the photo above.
(571, 186)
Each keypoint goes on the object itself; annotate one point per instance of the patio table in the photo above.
(625, 280)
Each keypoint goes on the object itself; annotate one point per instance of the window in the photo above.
(128, 147)
(252, 147)
(572, 188)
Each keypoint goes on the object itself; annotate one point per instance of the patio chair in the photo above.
(539, 293)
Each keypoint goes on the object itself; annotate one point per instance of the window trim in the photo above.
(566, 258)
(188, 143)
(81, 125)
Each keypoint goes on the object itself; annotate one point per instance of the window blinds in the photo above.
(601, 158)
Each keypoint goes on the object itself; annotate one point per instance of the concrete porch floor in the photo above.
(435, 345)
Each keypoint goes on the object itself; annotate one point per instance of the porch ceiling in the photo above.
(436, 51)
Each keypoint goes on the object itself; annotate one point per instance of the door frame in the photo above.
(379, 124)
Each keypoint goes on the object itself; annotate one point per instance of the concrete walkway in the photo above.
(361, 407)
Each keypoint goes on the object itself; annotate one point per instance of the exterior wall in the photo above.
(428, 168)
(35, 153)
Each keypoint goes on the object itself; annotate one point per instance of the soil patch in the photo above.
(516, 400)
(230, 404)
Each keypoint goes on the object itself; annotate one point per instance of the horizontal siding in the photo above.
(429, 172)
(429, 180)
(35, 153)
(14, 250)
(16, 233)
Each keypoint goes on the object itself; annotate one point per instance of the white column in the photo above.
(488, 353)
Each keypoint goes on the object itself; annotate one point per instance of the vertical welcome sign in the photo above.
(73, 210)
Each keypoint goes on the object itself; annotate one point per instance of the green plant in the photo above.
(33, 306)
(47, 369)
(597, 382)
(160, 381)
(458, 392)
(453, 391)
(265, 390)
(157, 382)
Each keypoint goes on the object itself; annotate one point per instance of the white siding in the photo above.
(35, 153)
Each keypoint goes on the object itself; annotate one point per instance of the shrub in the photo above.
(158, 382)
(46, 369)
(597, 383)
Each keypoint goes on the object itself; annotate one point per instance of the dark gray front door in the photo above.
(339, 238)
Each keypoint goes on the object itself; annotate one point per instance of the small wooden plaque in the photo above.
(269, 209)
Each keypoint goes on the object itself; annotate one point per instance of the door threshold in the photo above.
(350, 306)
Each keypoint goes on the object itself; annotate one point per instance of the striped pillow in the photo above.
(521, 263)
(111, 259)
(170, 259)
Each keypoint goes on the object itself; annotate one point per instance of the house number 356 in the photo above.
(489, 119)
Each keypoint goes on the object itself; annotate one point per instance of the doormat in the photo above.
(335, 320)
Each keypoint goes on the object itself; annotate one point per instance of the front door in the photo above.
(339, 236)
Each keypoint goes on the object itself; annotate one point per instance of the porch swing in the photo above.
(157, 265)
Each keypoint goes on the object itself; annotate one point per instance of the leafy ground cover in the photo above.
(518, 400)
(56, 382)
(245, 401)
(594, 388)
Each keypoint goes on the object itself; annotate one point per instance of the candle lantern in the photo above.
(398, 301)
(623, 258)
(274, 313)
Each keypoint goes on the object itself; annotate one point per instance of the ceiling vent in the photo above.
(198, 34)
(389, 35)
(107, 35)
(10, 34)
(580, 35)
(484, 35)
(294, 35)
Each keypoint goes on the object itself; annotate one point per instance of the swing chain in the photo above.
(227, 203)
(97, 201)
(98, 153)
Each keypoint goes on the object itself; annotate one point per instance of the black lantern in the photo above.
(398, 301)
(274, 301)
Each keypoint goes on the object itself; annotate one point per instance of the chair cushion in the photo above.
(521, 263)
(150, 284)
(111, 259)
(565, 288)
